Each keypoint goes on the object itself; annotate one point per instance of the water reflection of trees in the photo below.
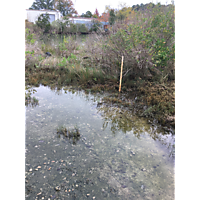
(118, 120)
(123, 120)
(56, 89)
(29, 100)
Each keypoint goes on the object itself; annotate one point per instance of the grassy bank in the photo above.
(147, 43)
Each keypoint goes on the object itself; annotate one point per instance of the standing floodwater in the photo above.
(117, 156)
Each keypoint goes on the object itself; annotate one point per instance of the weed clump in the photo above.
(160, 102)
(73, 134)
(32, 101)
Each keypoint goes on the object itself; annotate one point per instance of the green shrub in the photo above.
(147, 43)
(30, 38)
(63, 63)
(60, 26)
(43, 22)
(72, 58)
(29, 52)
(73, 28)
(82, 28)
(95, 25)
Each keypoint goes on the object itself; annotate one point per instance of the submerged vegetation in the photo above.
(145, 39)
(74, 133)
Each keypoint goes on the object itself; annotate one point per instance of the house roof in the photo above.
(44, 10)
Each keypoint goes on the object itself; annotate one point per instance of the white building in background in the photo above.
(32, 15)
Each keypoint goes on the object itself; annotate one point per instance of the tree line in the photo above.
(66, 7)
(111, 15)
(125, 12)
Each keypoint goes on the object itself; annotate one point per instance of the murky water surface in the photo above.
(118, 156)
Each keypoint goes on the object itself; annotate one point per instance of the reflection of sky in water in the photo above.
(118, 156)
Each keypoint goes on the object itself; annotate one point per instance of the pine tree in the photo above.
(42, 4)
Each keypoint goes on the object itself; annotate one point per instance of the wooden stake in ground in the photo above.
(121, 74)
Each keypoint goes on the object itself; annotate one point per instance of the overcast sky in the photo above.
(82, 6)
